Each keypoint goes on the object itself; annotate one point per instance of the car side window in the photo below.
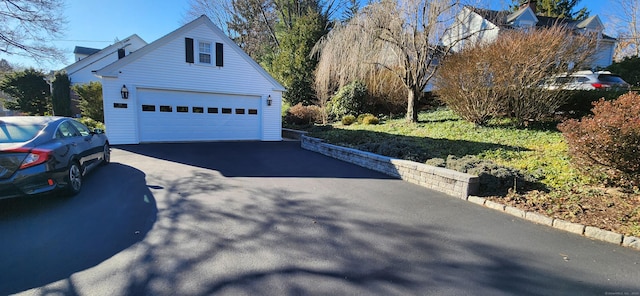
(66, 130)
(84, 131)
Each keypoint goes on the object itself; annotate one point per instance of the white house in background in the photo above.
(194, 84)
(473, 25)
(88, 60)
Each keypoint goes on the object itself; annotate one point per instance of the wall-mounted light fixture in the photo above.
(269, 100)
(124, 92)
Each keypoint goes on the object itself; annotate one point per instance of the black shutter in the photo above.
(188, 47)
(120, 53)
(219, 55)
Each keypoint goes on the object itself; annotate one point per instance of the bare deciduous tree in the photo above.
(626, 17)
(504, 78)
(28, 26)
(400, 37)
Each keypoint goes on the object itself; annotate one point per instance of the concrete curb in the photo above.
(424, 176)
(587, 231)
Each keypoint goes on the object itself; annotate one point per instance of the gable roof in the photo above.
(94, 57)
(521, 12)
(112, 69)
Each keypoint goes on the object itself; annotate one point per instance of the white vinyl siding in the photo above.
(163, 69)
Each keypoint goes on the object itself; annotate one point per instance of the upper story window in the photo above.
(204, 52)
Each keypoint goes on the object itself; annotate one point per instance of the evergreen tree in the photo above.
(61, 96)
(293, 65)
(253, 23)
(29, 89)
(90, 100)
(555, 8)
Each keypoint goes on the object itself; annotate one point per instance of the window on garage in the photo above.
(253, 111)
(212, 110)
(239, 111)
(148, 108)
(226, 110)
(182, 109)
(204, 52)
(197, 110)
(166, 109)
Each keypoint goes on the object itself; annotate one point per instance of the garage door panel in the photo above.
(189, 126)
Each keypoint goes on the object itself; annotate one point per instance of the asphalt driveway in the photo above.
(253, 218)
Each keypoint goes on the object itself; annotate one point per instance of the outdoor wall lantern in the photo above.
(124, 92)
(269, 100)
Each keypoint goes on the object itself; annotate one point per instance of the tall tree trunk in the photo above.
(412, 113)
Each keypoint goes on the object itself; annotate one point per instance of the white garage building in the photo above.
(194, 84)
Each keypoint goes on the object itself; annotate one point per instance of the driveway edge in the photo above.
(457, 184)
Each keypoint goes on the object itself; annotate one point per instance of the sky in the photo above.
(98, 23)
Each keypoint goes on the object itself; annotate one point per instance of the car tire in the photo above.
(74, 179)
(106, 154)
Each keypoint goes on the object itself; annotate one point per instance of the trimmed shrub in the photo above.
(436, 162)
(302, 115)
(493, 178)
(370, 119)
(628, 69)
(606, 145)
(348, 119)
(90, 123)
(362, 116)
(580, 102)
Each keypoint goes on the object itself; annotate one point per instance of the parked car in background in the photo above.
(41, 154)
(587, 80)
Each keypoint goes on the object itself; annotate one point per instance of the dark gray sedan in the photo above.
(41, 154)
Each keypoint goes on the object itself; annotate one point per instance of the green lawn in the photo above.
(541, 152)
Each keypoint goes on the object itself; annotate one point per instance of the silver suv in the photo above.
(588, 80)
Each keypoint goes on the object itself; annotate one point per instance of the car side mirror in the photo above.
(98, 131)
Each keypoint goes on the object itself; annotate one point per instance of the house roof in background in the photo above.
(85, 50)
(503, 18)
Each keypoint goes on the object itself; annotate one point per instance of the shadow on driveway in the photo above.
(254, 159)
(281, 243)
(48, 238)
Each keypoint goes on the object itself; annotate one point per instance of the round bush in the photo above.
(348, 119)
(370, 119)
(350, 99)
(607, 143)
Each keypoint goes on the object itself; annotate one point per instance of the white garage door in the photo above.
(186, 116)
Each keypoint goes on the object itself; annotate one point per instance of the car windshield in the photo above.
(16, 133)
(610, 78)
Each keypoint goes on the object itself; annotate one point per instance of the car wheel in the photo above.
(74, 178)
(106, 156)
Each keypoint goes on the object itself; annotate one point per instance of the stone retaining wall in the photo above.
(443, 180)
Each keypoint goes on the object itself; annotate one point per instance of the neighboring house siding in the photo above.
(473, 26)
(604, 54)
(469, 29)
